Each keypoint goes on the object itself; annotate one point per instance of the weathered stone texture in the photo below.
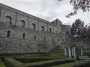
(28, 39)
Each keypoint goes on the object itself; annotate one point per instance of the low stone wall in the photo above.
(10, 45)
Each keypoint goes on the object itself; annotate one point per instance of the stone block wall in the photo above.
(16, 37)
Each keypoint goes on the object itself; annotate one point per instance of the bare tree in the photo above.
(84, 5)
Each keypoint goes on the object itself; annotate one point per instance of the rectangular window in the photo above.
(9, 19)
(42, 28)
(23, 35)
(35, 37)
(8, 33)
(33, 26)
(22, 23)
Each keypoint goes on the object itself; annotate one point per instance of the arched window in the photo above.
(50, 30)
(9, 19)
(33, 26)
(22, 23)
(42, 28)
(35, 37)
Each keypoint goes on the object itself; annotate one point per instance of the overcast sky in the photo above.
(48, 9)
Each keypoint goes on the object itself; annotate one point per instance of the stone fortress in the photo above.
(24, 33)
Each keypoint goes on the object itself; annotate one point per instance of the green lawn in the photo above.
(86, 52)
(82, 63)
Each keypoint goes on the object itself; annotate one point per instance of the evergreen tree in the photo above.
(77, 30)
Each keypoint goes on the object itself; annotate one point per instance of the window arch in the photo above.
(42, 28)
(50, 30)
(22, 23)
(9, 19)
(33, 26)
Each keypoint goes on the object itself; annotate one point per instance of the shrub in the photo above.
(82, 63)
(10, 62)
(2, 65)
(49, 63)
(30, 59)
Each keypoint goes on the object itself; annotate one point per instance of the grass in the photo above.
(86, 52)
(34, 55)
(30, 59)
(48, 63)
(82, 63)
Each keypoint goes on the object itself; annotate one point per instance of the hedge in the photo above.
(2, 65)
(28, 60)
(87, 52)
(32, 55)
(13, 55)
(10, 62)
(81, 63)
(49, 63)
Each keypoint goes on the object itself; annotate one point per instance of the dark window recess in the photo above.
(9, 19)
(35, 37)
(50, 30)
(23, 35)
(0, 46)
(42, 28)
(34, 26)
(22, 23)
(8, 33)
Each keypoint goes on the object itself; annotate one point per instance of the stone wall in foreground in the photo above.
(16, 44)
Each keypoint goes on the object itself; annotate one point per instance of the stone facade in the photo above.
(23, 33)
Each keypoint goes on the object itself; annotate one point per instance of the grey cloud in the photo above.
(46, 9)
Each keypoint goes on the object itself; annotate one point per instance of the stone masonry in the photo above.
(24, 33)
